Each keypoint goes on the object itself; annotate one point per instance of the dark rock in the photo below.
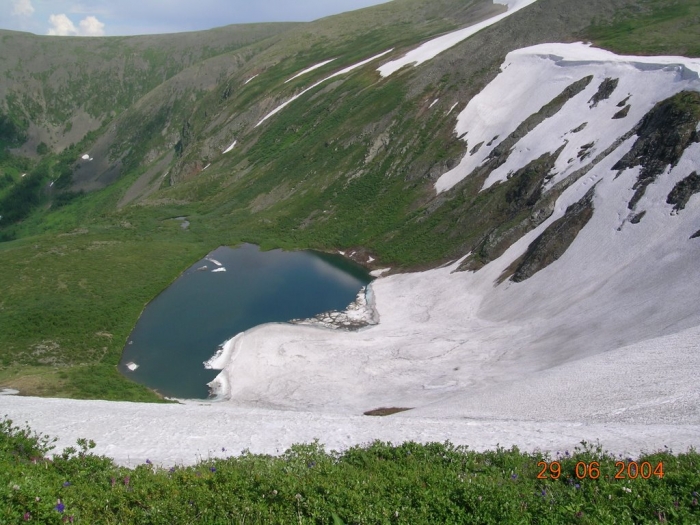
(663, 135)
(579, 128)
(476, 148)
(623, 102)
(695, 235)
(605, 89)
(637, 217)
(681, 192)
(556, 239)
(622, 113)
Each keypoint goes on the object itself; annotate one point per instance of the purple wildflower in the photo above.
(513, 476)
(148, 462)
(27, 516)
(695, 502)
(223, 449)
(577, 486)
(66, 483)
(544, 492)
(695, 494)
(172, 469)
(60, 507)
(126, 480)
(213, 469)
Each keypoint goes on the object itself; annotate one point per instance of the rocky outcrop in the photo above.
(663, 135)
(556, 239)
(681, 192)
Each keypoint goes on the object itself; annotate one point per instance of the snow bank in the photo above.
(308, 70)
(251, 78)
(187, 433)
(533, 76)
(434, 47)
(230, 147)
(338, 73)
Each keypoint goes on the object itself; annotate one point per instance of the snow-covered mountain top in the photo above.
(534, 76)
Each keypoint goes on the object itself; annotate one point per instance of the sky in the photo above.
(131, 17)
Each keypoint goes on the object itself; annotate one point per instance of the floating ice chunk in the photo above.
(378, 273)
(218, 270)
(132, 366)
(370, 259)
(214, 261)
(85, 157)
(308, 70)
(230, 147)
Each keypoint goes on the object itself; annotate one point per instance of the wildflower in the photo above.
(126, 480)
(695, 502)
(27, 516)
(171, 470)
(60, 507)
(577, 486)
(66, 483)
(544, 492)
(567, 454)
(148, 462)
(274, 492)
(676, 504)
(112, 482)
(213, 469)
(223, 449)
(37, 499)
(579, 514)
(311, 464)
(627, 489)
(298, 497)
(396, 514)
(67, 519)
(15, 487)
(514, 476)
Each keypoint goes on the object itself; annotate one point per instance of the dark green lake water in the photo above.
(184, 325)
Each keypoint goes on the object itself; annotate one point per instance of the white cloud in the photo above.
(22, 8)
(91, 26)
(61, 25)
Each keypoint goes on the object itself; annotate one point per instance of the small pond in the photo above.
(231, 290)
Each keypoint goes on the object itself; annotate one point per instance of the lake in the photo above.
(229, 291)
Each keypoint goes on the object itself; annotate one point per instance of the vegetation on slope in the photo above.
(651, 27)
(377, 483)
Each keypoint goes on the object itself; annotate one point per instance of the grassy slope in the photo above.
(58, 309)
(653, 27)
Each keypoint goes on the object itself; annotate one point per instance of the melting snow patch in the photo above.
(378, 273)
(434, 47)
(452, 107)
(308, 70)
(230, 147)
(338, 73)
(132, 366)
(214, 261)
(251, 78)
(533, 76)
(433, 103)
(205, 167)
